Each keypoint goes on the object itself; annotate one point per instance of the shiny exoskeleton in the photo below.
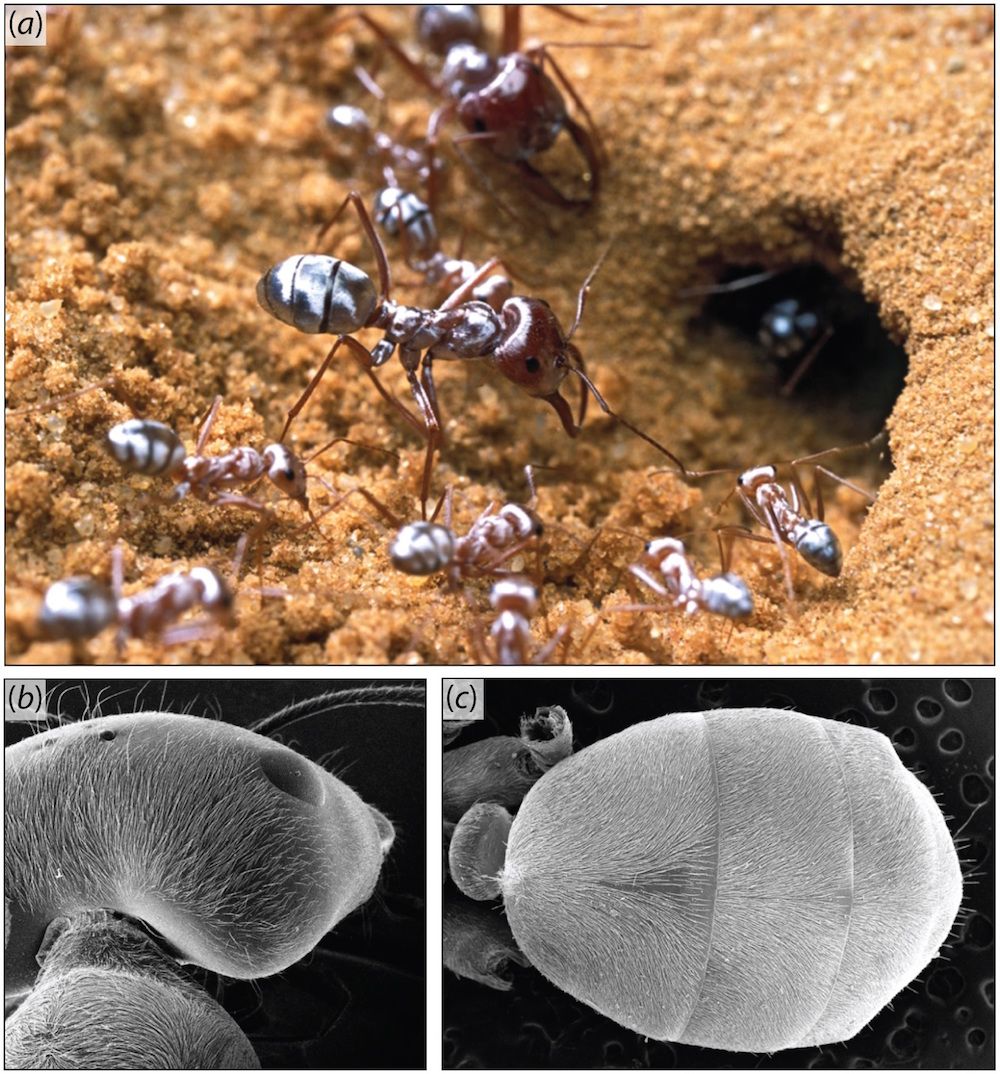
(80, 608)
(493, 539)
(787, 329)
(667, 570)
(401, 214)
(439, 26)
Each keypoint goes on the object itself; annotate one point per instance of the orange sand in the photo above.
(158, 160)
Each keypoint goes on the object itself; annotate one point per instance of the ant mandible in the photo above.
(524, 341)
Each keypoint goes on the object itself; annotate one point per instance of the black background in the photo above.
(944, 1020)
(358, 999)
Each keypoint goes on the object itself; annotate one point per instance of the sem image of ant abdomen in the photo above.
(749, 880)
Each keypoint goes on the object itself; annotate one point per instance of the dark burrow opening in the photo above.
(813, 332)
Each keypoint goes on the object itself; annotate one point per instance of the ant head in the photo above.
(520, 109)
(286, 472)
(533, 352)
(753, 479)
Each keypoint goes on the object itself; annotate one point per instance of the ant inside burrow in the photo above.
(811, 323)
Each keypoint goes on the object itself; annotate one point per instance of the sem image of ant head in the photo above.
(727, 884)
(147, 847)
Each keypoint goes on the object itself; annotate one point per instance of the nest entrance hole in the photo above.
(858, 368)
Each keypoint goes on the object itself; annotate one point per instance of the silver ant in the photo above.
(429, 547)
(403, 215)
(515, 600)
(667, 570)
(789, 517)
(319, 294)
(79, 608)
(153, 449)
(507, 102)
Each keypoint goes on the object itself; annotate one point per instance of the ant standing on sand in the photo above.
(524, 340)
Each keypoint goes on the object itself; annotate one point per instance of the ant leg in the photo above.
(354, 199)
(545, 190)
(427, 382)
(596, 154)
(543, 654)
(189, 632)
(726, 535)
(805, 364)
(207, 426)
(310, 388)
(111, 383)
(464, 290)
(432, 431)
(581, 295)
(439, 116)
(842, 481)
(510, 39)
(117, 583)
(416, 72)
(364, 359)
(648, 580)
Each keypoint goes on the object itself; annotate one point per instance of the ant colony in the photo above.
(454, 150)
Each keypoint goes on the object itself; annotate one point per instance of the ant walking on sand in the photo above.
(666, 568)
(430, 547)
(509, 102)
(147, 447)
(788, 515)
(79, 608)
(524, 341)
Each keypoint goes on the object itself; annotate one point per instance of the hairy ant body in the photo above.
(667, 570)
(79, 608)
(523, 340)
(509, 102)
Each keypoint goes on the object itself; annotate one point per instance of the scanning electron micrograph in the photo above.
(216, 875)
(782, 874)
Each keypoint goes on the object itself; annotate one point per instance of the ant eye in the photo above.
(532, 365)
(479, 125)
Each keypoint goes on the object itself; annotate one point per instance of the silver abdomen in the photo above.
(145, 447)
(422, 548)
(318, 294)
(76, 608)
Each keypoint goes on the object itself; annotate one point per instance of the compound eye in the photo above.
(532, 365)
